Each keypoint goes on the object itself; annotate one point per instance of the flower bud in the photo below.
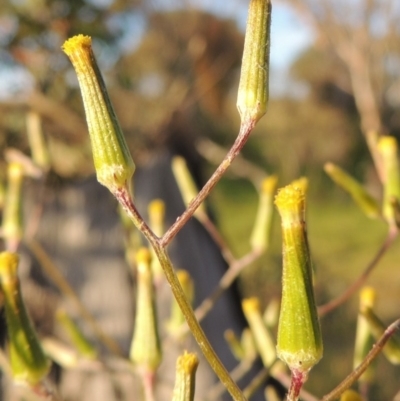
(177, 318)
(253, 91)
(387, 147)
(391, 350)
(77, 338)
(12, 217)
(156, 212)
(187, 185)
(112, 159)
(260, 236)
(299, 335)
(364, 340)
(145, 348)
(28, 362)
(37, 143)
(360, 196)
(185, 379)
(234, 344)
(262, 337)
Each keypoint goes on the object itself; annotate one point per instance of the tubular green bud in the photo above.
(112, 159)
(60, 353)
(259, 239)
(145, 348)
(391, 350)
(253, 91)
(359, 194)
(387, 147)
(248, 345)
(37, 143)
(299, 342)
(234, 344)
(187, 185)
(271, 313)
(28, 362)
(262, 337)
(364, 339)
(185, 379)
(156, 210)
(350, 395)
(77, 338)
(12, 217)
(177, 318)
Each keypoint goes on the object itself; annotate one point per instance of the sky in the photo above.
(289, 37)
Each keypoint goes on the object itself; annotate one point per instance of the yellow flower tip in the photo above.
(8, 265)
(351, 395)
(367, 297)
(301, 183)
(290, 202)
(15, 170)
(143, 256)
(76, 43)
(157, 208)
(250, 305)
(183, 277)
(268, 185)
(387, 144)
(188, 362)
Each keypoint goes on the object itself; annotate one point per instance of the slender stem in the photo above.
(296, 383)
(353, 376)
(125, 200)
(356, 285)
(240, 141)
(226, 280)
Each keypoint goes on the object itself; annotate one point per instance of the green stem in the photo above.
(124, 198)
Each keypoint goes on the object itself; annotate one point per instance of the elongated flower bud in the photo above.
(234, 344)
(387, 147)
(299, 335)
(12, 218)
(112, 160)
(145, 348)
(185, 379)
(37, 143)
(364, 339)
(177, 318)
(156, 212)
(186, 185)
(260, 236)
(361, 197)
(253, 91)
(262, 337)
(392, 347)
(77, 338)
(28, 362)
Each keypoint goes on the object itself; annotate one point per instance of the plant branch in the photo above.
(240, 141)
(123, 196)
(353, 376)
(356, 285)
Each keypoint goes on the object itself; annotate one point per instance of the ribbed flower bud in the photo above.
(28, 362)
(299, 336)
(359, 194)
(37, 143)
(253, 91)
(259, 239)
(364, 339)
(262, 337)
(391, 350)
(186, 185)
(177, 318)
(77, 338)
(185, 379)
(112, 159)
(145, 348)
(387, 147)
(12, 217)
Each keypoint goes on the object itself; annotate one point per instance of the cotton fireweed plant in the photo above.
(114, 165)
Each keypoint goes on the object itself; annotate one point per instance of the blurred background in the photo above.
(172, 70)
